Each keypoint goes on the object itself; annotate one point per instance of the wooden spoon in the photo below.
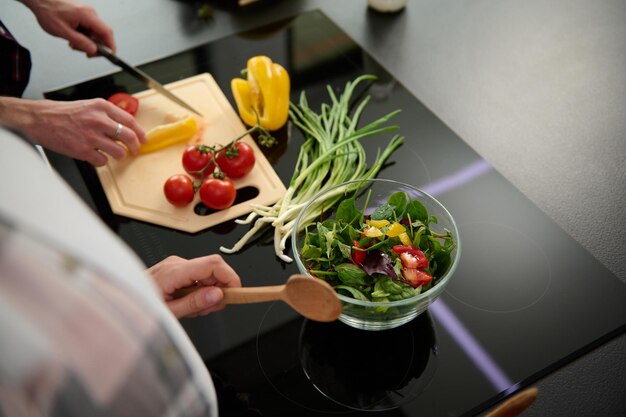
(314, 298)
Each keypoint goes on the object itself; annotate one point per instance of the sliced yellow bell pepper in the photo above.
(377, 223)
(264, 95)
(395, 229)
(169, 134)
(405, 239)
(372, 232)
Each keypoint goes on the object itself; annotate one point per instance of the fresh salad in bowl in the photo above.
(384, 253)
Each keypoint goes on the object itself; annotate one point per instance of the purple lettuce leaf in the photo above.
(377, 262)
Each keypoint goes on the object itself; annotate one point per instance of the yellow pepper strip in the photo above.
(372, 232)
(264, 96)
(405, 239)
(169, 134)
(377, 223)
(395, 229)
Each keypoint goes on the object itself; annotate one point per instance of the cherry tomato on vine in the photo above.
(178, 190)
(217, 193)
(197, 158)
(236, 163)
(125, 102)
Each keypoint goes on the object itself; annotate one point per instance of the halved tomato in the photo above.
(126, 102)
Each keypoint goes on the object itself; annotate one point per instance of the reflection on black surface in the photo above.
(369, 370)
(243, 194)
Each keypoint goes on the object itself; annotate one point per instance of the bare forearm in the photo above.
(18, 113)
(83, 129)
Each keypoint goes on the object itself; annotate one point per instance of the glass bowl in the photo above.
(370, 195)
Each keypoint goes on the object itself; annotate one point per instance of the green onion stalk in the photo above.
(331, 155)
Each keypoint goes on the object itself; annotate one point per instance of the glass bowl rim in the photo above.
(431, 293)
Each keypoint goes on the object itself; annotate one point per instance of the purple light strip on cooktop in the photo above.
(458, 178)
(453, 325)
(470, 345)
(454, 180)
(473, 349)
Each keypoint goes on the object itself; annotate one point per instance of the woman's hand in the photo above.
(209, 273)
(78, 23)
(88, 130)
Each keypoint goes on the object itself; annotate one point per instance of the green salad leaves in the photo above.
(387, 255)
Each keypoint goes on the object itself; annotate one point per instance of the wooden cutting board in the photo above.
(134, 186)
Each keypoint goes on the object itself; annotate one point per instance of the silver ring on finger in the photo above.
(118, 131)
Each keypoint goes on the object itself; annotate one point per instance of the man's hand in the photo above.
(208, 273)
(88, 130)
(78, 23)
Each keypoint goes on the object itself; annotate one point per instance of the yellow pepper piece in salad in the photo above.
(395, 229)
(372, 232)
(377, 223)
(264, 96)
(169, 134)
(405, 239)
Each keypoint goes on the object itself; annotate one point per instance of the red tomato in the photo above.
(416, 276)
(238, 162)
(125, 102)
(358, 256)
(218, 194)
(179, 190)
(196, 158)
(411, 256)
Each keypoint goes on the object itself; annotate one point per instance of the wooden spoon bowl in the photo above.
(312, 297)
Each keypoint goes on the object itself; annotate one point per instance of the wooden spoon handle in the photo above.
(247, 295)
(515, 405)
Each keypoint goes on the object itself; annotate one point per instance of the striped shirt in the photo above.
(83, 332)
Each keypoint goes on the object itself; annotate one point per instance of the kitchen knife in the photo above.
(142, 76)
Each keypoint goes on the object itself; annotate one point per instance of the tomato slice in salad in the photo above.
(358, 256)
(411, 256)
(416, 276)
(125, 102)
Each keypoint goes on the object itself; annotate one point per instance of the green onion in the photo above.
(331, 155)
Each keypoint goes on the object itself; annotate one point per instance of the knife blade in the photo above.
(143, 77)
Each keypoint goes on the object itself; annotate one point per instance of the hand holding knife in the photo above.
(142, 76)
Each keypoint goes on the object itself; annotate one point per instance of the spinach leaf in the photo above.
(384, 212)
(399, 203)
(391, 286)
(346, 250)
(379, 290)
(348, 213)
(352, 274)
(311, 252)
(353, 292)
(416, 211)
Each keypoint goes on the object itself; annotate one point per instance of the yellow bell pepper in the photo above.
(372, 232)
(395, 229)
(264, 95)
(405, 239)
(379, 224)
(169, 134)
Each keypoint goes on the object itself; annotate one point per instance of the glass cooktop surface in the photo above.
(525, 299)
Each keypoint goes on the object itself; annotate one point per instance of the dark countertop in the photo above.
(538, 90)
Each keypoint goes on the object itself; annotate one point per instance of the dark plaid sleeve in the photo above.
(15, 65)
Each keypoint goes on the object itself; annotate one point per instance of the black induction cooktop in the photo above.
(525, 299)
